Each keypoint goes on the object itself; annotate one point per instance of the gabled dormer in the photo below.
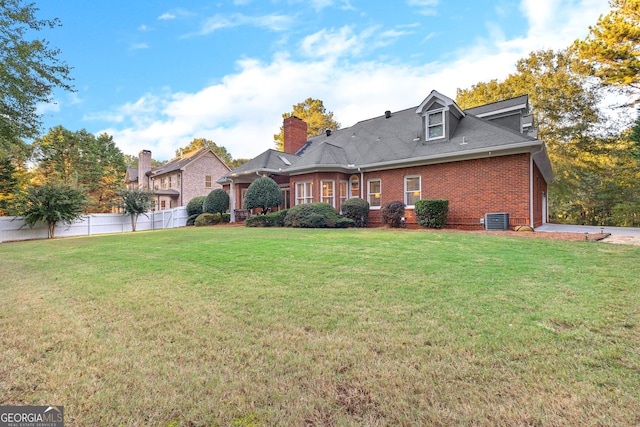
(440, 117)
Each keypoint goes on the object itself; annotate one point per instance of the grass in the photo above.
(250, 327)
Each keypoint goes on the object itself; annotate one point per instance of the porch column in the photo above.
(232, 202)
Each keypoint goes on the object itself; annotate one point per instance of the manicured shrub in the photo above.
(357, 210)
(263, 193)
(192, 219)
(393, 213)
(217, 202)
(312, 215)
(207, 219)
(273, 219)
(225, 218)
(345, 223)
(432, 213)
(195, 205)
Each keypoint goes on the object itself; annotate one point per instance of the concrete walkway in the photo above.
(565, 228)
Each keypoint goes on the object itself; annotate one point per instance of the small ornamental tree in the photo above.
(135, 202)
(217, 202)
(263, 193)
(53, 204)
(393, 214)
(357, 210)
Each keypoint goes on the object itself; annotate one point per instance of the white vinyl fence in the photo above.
(13, 227)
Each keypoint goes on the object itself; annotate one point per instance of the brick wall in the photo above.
(193, 176)
(295, 134)
(473, 188)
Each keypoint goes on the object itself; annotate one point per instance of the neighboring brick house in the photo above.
(483, 160)
(179, 180)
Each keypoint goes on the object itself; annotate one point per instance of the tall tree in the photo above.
(30, 71)
(313, 112)
(612, 49)
(81, 159)
(199, 143)
(565, 108)
(563, 104)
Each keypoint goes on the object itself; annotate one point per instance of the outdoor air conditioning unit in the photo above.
(496, 221)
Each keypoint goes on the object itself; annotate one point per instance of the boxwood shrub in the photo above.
(357, 210)
(195, 205)
(392, 213)
(211, 219)
(312, 215)
(432, 213)
(345, 223)
(273, 219)
(192, 219)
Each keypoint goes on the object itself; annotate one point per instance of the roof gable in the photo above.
(445, 102)
(181, 162)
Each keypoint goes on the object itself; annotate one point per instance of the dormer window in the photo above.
(435, 125)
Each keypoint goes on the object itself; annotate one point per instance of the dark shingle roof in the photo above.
(398, 141)
(499, 105)
(131, 175)
(180, 162)
(271, 161)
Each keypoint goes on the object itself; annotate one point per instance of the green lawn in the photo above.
(243, 327)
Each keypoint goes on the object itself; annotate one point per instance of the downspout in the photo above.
(361, 184)
(181, 188)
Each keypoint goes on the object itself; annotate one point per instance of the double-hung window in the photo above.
(412, 190)
(328, 194)
(435, 125)
(354, 187)
(207, 181)
(375, 192)
(304, 192)
(343, 192)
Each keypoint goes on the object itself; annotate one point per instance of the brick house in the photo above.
(483, 160)
(179, 180)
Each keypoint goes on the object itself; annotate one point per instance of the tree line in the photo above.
(596, 159)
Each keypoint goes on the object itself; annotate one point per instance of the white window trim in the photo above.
(369, 181)
(350, 194)
(307, 198)
(406, 191)
(426, 122)
(333, 191)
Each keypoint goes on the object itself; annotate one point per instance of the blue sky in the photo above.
(157, 74)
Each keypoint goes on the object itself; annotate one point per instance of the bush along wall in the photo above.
(312, 215)
(357, 210)
(432, 213)
(392, 214)
(273, 219)
(211, 219)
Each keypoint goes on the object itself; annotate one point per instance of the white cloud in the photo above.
(243, 110)
(138, 46)
(166, 16)
(273, 22)
(424, 7)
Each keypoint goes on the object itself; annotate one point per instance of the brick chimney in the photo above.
(295, 134)
(144, 166)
